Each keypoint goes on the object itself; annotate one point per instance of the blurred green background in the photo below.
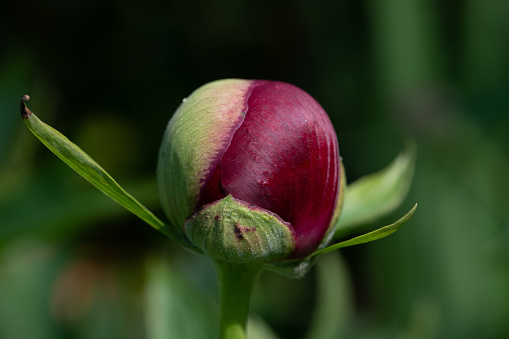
(109, 74)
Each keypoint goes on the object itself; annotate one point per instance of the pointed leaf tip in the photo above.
(377, 194)
(25, 112)
(91, 171)
(380, 233)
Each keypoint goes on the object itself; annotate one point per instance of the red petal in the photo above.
(213, 191)
(285, 158)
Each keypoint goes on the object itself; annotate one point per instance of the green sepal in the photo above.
(196, 137)
(378, 194)
(232, 230)
(297, 268)
(85, 166)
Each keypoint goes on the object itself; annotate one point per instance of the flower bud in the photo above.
(249, 170)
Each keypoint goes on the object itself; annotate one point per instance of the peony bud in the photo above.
(249, 170)
(250, 174)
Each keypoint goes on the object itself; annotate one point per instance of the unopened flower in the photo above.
(249, 170)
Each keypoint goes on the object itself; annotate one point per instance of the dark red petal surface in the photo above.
(284, 158)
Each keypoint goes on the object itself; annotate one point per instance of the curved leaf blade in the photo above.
(297, 268)
(377, 194)
(85, 166)
(370, 236)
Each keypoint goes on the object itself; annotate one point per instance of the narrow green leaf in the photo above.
(78, 160)
(371, 236)
(377, 194)
(297, 268)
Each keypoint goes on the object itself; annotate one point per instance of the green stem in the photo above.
(235, 281)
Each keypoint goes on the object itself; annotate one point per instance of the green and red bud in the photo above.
(249, 170)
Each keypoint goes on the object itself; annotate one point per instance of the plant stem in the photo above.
(235, 281)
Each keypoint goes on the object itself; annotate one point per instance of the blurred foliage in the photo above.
(109, 75)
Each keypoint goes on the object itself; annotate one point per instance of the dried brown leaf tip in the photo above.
(25, 112)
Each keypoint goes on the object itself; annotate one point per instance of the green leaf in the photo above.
(82, 163)
(371, 236)
(377, 194)
(297, 268)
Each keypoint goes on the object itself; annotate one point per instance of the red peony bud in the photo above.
(272, 148)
